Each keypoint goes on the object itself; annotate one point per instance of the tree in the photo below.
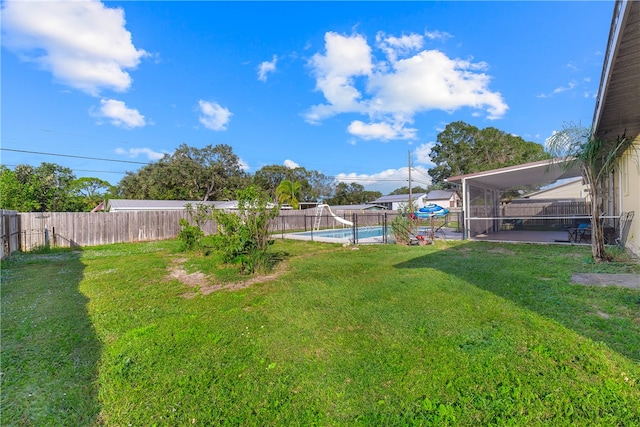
(322, 186)
(462, 149)
(89, 192)
(270, 177)
(46, 188)
(208, 173)
(12, 191)
(350, 194)
(597, 159)
(405, 190)
(288, 193)
(314, 185)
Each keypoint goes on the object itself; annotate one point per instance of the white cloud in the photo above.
(437, 35)
(213, 116)
(291, 164)
(569, 86)
(388, 180)
(572, 66)
(422, 153)
(244, 165)
(380, 130)
(392, 91)
(135, 152)
(84, 44)
(119, 114)
(346, 58)
(394, 46)
(267, 67)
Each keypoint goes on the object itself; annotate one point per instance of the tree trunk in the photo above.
(597, 230)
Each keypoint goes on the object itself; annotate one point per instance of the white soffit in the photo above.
(536, 173)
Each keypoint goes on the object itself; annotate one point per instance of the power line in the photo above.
(78, 170)
(374, 180)
(75, 157)
(423, 174)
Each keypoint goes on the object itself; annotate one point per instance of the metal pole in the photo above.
(354, 228)
(410, 195)
(465, 207)
(384, 228)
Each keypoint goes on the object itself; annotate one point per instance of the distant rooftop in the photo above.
(164, 205)
(440, 194)
(398, 198)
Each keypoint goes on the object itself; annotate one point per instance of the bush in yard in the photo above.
(401, 227)
(244, 237)
(190, 235)
(200, 214)
(404, 225)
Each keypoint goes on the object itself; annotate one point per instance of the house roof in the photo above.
(360, 207)
(440, 194)
(619, 93)
(154, 205)
(569, 182)
(541, 172)
(397, 198)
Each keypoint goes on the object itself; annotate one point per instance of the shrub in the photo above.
(401, 227)
(190, 235)
(244, 237)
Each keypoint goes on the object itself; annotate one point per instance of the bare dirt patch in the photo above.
(204, 284)
(191, 279)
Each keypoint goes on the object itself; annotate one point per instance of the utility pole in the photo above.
(410, 195)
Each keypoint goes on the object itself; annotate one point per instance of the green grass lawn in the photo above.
(456, 333)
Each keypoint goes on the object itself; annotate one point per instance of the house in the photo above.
(570, 190)
(444, 198)
(617, 113)
(397, 202)
(365, 207)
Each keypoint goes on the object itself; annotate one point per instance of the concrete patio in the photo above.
(524, 236)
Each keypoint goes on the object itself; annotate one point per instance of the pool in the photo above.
(342, 235)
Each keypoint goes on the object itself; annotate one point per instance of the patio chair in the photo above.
(580, 233)
(625, 226)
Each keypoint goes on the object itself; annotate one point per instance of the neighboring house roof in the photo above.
(398, 198)
(540, 172)
(440, 194)
(164, 205)
(572, 187)
(617, 109)
(360, 207)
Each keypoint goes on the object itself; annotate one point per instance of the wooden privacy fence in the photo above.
(10, 229)
(69, 229)
(546, 209)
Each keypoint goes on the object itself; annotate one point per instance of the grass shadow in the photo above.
(50, 350)
(538, 278)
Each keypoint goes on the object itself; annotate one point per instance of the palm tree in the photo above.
(597, 159)
(288, 193)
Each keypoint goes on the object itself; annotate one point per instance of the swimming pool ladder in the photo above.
(318, 218)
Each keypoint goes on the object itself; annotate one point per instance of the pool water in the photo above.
(345, 233)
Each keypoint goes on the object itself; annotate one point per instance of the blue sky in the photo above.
(345, 88)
